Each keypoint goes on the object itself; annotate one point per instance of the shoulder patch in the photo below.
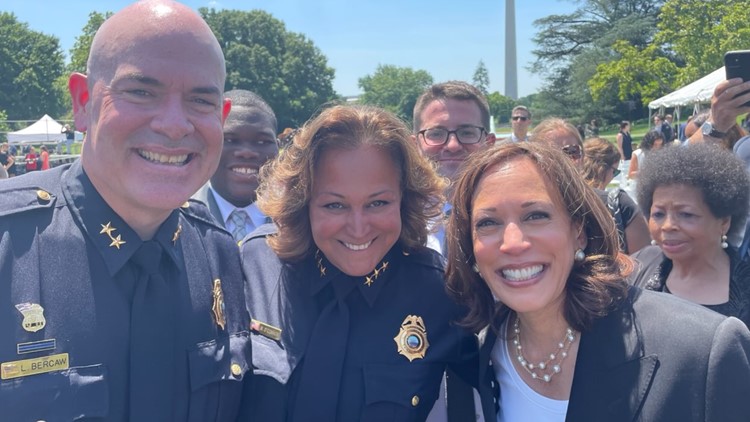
(197, 210)
(22, 199)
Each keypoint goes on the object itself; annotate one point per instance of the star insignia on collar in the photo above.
(176, 234)
(375, 274)
(116, 241)
(107, 229)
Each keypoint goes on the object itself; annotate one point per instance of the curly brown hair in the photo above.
(593, 286)
(286, 182)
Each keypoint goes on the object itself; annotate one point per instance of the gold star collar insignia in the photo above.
(108, 229)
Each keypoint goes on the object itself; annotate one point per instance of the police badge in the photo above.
(33, 316)
(412, 338)
(218, 305)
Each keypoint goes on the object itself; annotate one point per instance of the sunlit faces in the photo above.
(450, 114)
(523, 237)
(520, 122)
(154, 121)
(682, 224)
(249, 142)
(355, 208)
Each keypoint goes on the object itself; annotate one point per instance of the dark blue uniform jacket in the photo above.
(378, 383)
(55, 254)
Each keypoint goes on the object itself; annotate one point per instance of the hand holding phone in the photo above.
(737, 65)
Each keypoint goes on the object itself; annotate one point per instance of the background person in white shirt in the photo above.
(249, 142)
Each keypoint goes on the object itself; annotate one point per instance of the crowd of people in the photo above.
(190, 265)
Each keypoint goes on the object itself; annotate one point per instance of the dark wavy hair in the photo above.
(286, 182)
(717, 173)
(650, 138)
(593, 287)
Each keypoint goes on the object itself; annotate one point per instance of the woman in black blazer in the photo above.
(535, 259)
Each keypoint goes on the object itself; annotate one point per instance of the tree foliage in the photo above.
(30, 63)
(284, 68)
(79, 54)
(500, 107)
(701, 31)
(395, 88)
(481, 78)
(645, 73)
(570, 48)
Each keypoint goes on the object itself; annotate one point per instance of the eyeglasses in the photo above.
(521, 118)
(615, 171)
(465, 135)
(573, 151)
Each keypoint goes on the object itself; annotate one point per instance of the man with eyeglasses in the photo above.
(451, 120)
(520, 121)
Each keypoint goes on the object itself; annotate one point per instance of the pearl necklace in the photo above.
(554, 363)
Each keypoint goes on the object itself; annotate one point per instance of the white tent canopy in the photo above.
(45, 129)
(694, 93)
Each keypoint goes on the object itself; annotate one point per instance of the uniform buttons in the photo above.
(185, 205)
(42, 195)
(492, 384)
(415, 401)
(236, 370)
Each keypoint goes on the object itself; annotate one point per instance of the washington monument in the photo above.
(511, 70)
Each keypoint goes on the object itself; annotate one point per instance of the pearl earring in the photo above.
(724, 243)
(475, 268)
(579, 256)
(653, 243)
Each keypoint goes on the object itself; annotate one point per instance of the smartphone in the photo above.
(737, 65)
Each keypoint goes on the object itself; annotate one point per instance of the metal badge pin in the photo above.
(176, 234)
(218, 305)
(266, 330)
(33, 316)
(108, 229)
(412, 338)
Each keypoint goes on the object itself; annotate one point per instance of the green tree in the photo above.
(500, 107)
(30, 63)
(395, 88)
(481, 78)
(701, 31)
(79, 54)
(570, 47)
(643, 73)
(285, 68)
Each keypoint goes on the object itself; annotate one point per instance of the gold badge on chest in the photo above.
(218, 305)
(412, 338)
(33, 316)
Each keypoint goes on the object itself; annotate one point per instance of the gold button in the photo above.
(415, 401)
(43, 195)
(236, 370)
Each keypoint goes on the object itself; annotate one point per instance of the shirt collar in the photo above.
(386, 270)
(107, 231)
(226, 208)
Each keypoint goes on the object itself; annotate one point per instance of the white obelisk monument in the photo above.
(511, 68)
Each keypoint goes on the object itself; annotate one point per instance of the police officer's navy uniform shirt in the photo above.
(378, 383)
(64, 250)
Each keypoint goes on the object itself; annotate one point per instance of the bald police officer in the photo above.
(118, 300)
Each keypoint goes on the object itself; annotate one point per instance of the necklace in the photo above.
(553, 364)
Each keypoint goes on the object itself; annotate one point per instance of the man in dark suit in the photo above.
(249, 142)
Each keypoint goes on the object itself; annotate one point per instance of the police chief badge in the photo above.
(218, 306)
(33, 316)
(412, 338)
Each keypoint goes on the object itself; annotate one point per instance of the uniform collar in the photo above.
(107, 231)
(386, 269)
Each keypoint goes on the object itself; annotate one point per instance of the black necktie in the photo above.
(318, 389)
(151, 339)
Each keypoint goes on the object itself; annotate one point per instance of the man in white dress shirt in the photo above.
(249, 142)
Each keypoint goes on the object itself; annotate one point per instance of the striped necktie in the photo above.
(240, 219)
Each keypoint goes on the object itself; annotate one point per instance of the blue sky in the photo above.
(447, 38)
